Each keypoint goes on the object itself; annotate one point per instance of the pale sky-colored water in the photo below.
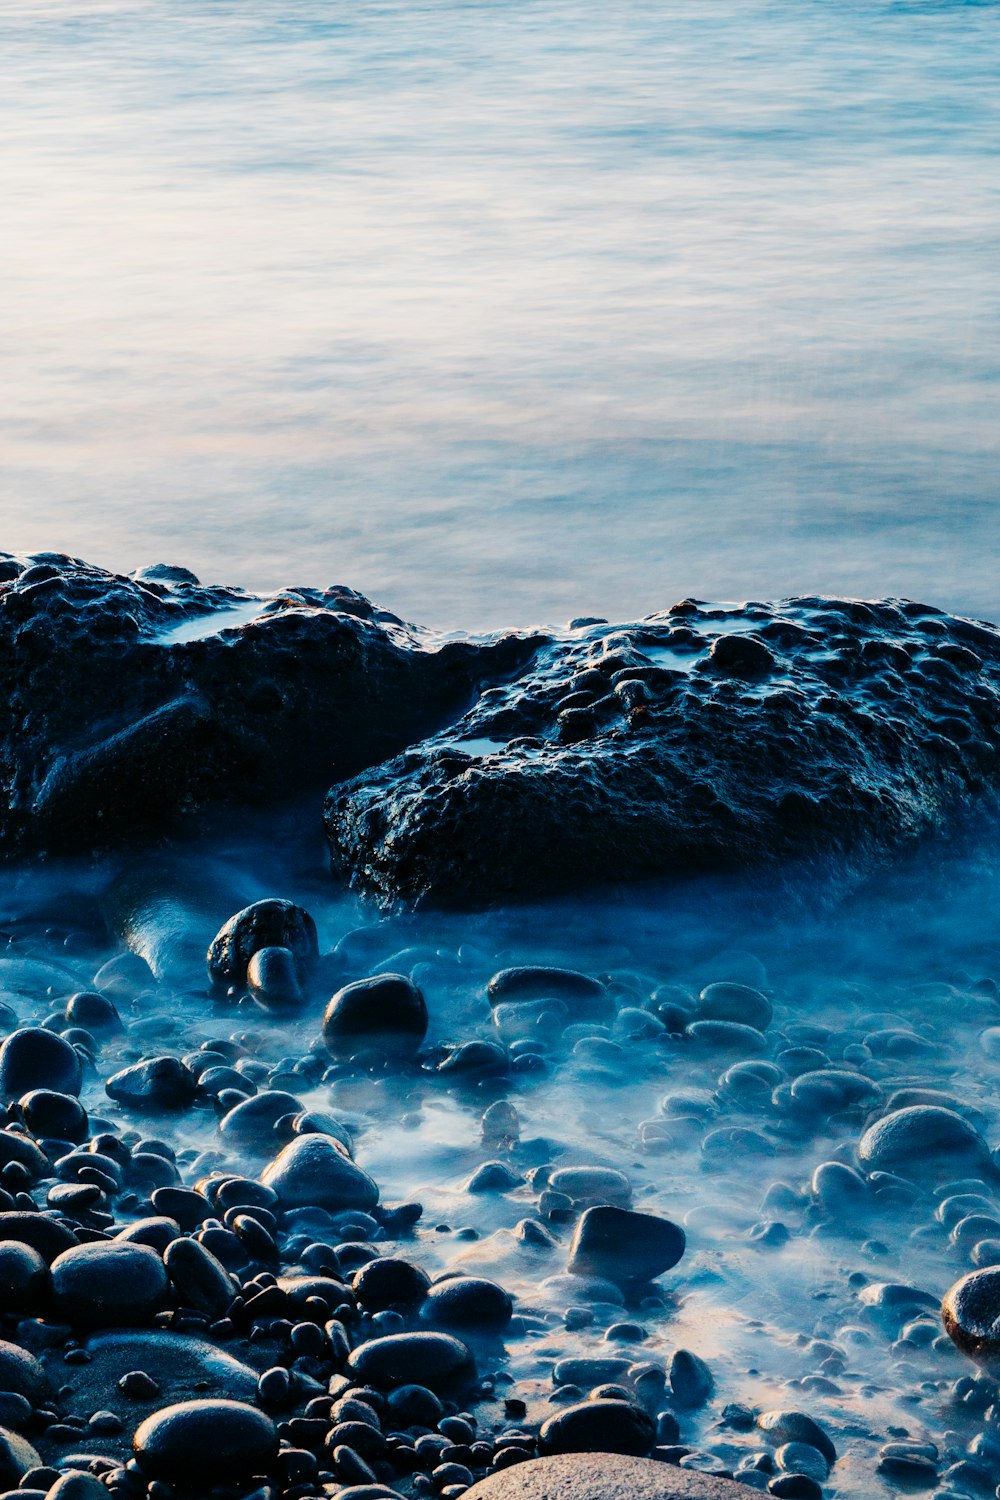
(506, 312)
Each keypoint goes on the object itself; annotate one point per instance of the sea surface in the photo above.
(505, 313)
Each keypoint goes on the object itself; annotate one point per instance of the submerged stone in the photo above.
(922, 1138)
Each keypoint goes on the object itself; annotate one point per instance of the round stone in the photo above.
(17, 1457)
(157, 1083)
(599, 1427)
(387, 1012)
(22, 1373)
(108, 1283)
(584, 995)
(602, 1476)
(33, 1058)
(43, 1234)
(206, 1442)
(469, 1303)
(59, 1116)
(796, 1427)
(919, 1139)
(592, 1185)
(265, 924)
(435, 1360)
(315, 1171)
(273, 980)
(24, 1279)
(971, 1315)
(624, 1246)
(735, 1002)
(388, 1281)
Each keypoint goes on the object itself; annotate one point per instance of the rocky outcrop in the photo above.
(699, 739)
(470, 772)
(131, 706)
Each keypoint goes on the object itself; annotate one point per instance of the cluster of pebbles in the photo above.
(203, 1289)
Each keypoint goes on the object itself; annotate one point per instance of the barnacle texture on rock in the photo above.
(698, 739)
(131, 705)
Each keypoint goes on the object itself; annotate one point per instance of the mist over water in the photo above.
(506, 313)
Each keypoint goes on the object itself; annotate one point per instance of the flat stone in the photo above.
(602, 1476)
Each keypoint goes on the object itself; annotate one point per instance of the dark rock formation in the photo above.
(699, 739)
(477, 771)
(122, 716)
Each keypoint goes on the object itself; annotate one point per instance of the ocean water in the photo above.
(504, 313)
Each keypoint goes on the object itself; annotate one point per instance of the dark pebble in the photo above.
(157, 1083)
(386, 1012)
(206, 1442)
(273, 979)
(33, 1058)
(624, 1246)
(387, 1282)
(107, 1284)
(265, 924)
(440, 1361)
(599, 1427)
(471, 1303)
(314, 1171)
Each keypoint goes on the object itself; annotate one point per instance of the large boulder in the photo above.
(110, 685)
(602, 1476)
(698, 739)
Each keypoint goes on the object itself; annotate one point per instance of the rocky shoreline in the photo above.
(477, 771)
(306, 1198)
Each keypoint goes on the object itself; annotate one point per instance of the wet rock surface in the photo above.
(700, 738)
(427, 1195)
(112, 684)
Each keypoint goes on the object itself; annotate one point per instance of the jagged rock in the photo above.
(698, 739)
(486, 769)
(110, 685)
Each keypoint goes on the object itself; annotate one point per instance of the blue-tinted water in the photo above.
(505, 312)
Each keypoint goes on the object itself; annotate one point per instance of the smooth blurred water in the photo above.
(506, 312)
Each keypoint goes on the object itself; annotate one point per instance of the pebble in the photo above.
(156, 1083)
(469, 1303)
(33, 1058)
(386, 1012)
(593, 1185)
(971, 1314)
(266, 924)
(599, 1427)
(315, 1171)
(735, 1002)
(924, 1138)
(105, 1284)
(690, 1379)
(442, 1362)
(17, 1456)
(22, 1373)
(273, 980)
(204, 1443)
(797, 1427)
(623, 1245)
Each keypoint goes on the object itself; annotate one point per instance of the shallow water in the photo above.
(779, 1324)
(506, 313)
